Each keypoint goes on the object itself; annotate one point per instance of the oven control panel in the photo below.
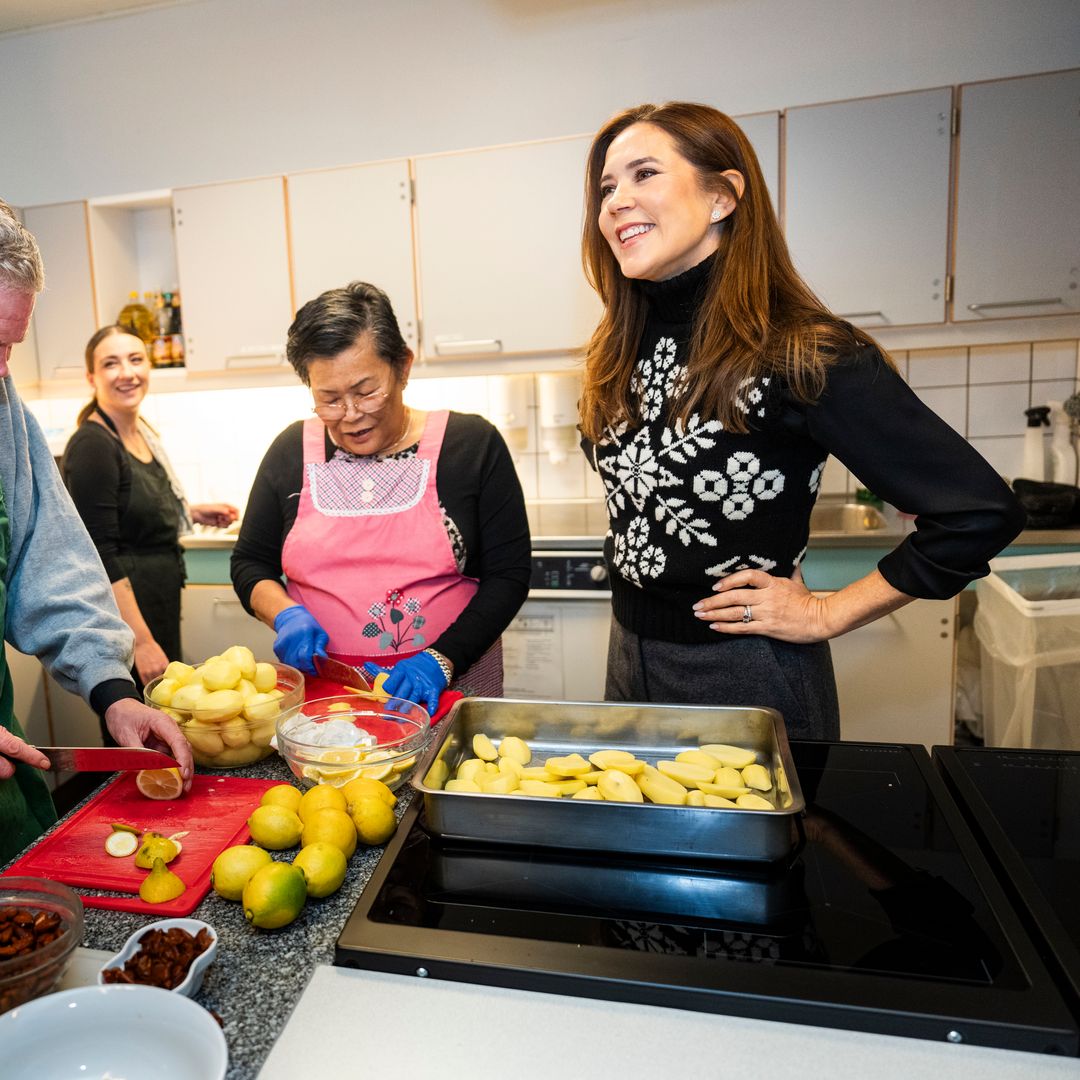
(565, 572)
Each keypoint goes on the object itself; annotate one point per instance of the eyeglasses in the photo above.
(360, 404)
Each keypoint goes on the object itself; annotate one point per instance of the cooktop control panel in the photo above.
(568, 571)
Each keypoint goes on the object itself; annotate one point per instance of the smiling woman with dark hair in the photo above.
(401, 535)
(716, 387)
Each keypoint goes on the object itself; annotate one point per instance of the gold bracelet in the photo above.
(444, 665)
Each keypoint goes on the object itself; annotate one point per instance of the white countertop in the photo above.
(355, 1023)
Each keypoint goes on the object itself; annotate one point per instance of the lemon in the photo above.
(332, 827)
(155, 846)
(320, 797)
(344, 755)
(234, 868)
(282, 795)
(364, 787)
(275, 827)
(274, 896)
(374, 820)
(323, 865)
(161, 885)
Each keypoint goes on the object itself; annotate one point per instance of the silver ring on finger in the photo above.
(747, 614)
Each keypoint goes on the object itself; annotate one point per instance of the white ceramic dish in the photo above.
(191, 984)
(127, 1031)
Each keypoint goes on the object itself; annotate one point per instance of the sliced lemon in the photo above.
(347, 755)
(121, 844)
(401, 766)
(377, 772)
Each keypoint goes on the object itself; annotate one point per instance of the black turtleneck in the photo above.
(689, 506)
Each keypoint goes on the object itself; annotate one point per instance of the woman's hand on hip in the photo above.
(778, 607)
(150, 660)
(12, 748)
(133, 724)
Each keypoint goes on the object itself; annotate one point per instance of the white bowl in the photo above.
(191, 984)
(127, 1031)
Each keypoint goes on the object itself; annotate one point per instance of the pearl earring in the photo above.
(714, 217)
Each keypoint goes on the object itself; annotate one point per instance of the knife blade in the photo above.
(104, 758)
(335, 671)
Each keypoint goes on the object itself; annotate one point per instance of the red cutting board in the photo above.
(214, 812)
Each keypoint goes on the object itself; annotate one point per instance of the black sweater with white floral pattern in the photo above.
(689, 505)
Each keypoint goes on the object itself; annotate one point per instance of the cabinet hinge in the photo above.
(956, 120)
(948, 288)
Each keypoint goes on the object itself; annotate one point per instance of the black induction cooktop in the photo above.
(1024, 808)
(887, 918)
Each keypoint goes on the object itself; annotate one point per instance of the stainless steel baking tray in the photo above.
(651, 732)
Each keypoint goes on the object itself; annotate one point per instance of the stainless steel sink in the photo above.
(830, 518)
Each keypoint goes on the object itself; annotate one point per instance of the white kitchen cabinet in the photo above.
(233, 262)
(1017, 220)
(867, 204)
(212, 619)
(499, 246)
(64, 316)
(895, 677)
(354, 224)
(763, 131)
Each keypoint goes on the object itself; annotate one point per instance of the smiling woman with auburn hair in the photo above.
(716, 387)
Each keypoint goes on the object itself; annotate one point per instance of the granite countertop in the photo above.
(258, 975)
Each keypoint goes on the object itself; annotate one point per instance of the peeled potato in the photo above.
(686, 773)
(571, 765)
(753, 802)
(757, 776)
(265, 678)
(502, 784)
(719, 802)
(163, 692)
(262, 731)
(535, 772)
(732, 792)
(695, 797)
(483, 747)
(511, 766)
(735, 756)
(204, 738)
(182, 673)
(219, 675)
(539, 787)
(185, 697)
(243, 658)
(728, 777)
(469, 769)
(616, 786)
(699, 757)
(658, 788)
(570, 786)
(438, 774)
(588, 793)
(219, 705)
(246, 688)
(612, 759)
(510, 746)
(461, 785)
(235, 732)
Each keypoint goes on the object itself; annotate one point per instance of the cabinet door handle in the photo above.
(862, 315)
(1016, 303)
(457, 348)
(256, 356)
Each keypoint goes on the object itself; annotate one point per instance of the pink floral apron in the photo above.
(370, 558)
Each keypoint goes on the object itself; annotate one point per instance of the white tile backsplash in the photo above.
(1042, 393)
(937, 367)
(1054, 360)
(1005, 453)
(1000, 363)
(835, 480)
(563, 481)
(997, 409)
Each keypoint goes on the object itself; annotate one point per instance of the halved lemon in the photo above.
(160, 783)
(347, 755)
(380, 771)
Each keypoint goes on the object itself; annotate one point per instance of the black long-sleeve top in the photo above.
(480, 494)
(690, 505)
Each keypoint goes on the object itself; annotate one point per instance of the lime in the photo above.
(330, 826)
(275, 895)
(274, 827)
(234, 868)
(323, 865)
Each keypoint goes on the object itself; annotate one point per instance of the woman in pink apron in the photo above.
(401, 535)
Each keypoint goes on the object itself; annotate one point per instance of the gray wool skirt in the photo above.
(795, 680)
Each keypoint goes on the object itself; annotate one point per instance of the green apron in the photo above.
(26, 808)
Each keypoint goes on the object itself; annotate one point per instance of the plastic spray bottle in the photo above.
(1063, 462)
(1034, 449)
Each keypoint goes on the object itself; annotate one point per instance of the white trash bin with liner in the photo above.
(1028, 626)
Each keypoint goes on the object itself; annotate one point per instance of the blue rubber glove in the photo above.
(416, 678)
(299, 638)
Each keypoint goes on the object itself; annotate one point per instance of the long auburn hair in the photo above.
(758, 316)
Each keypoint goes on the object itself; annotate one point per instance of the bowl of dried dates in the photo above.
(172, 954)
(41, 922)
